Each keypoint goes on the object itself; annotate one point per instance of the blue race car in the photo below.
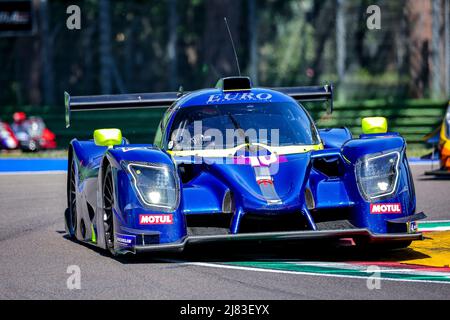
(237, 163)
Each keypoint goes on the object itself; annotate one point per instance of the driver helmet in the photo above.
(19, 117)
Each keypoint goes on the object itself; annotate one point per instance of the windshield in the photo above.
(228, 126)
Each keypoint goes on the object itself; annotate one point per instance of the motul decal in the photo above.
(155, 219)
(386, 208)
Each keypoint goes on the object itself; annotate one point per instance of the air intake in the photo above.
(234, 84)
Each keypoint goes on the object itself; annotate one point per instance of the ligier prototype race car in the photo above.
(237, 163)
(442, 135)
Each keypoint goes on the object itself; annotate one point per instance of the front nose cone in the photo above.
(267, 188)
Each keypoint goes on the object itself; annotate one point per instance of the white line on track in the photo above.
(221, 266)
(434, 229)
(359, 267)
(423, 225)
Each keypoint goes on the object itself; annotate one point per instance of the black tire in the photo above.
(72, 202)
(108, 205)
(33, 145)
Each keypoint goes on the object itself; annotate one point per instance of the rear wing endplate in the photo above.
(315, 93)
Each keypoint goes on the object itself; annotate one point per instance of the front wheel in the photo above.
(71, 212)
(108, 205)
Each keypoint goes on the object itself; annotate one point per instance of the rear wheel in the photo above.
(72, 197)
(108, 205)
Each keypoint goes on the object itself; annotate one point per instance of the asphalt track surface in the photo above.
(35, 255)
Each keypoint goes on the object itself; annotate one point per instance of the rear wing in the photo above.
(318, 93)
(162, 100)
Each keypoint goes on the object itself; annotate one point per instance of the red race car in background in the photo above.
(8, 140)
(32, 133)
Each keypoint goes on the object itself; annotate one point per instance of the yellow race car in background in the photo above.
(443, 147)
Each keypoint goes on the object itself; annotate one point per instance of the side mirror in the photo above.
(108, 137)
(374, 125)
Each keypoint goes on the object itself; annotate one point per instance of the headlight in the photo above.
(377, 175)
(156, 185)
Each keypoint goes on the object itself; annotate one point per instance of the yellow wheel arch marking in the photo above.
(224, 153)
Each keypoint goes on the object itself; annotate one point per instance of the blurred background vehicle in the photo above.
(440, 139)
(32, 133)
(8, 140)
(444, 144)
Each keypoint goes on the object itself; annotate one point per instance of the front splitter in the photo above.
(282, 236)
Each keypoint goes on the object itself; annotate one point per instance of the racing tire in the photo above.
(71, 216)
(108, 215)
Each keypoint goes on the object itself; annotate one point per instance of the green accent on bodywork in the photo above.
(107, 137)
(373, 125)
(345, 158)
(93, 237)
(85, 171)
